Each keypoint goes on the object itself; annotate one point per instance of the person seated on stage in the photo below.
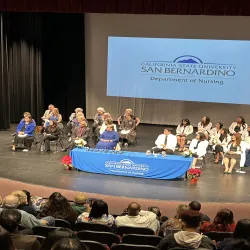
(187, 238)
(223, 222)
(198, 147)
(108, 139)
(220, 143)
(71, 118)
(24, 133)
(239, 126)
(246, 138)
(52, 133)
(196, 206)
(205, 126)
(98, 119)
(138, 218)
(81, 132)
(107, 122)
(79, 204)
(233, 155)
(184, 132)
(174, 224)
(53, 116)
(127, 133)
(240, 239)
(48, 112)
(130, 113)
(98, 214)
(165, 142)
(215, 132)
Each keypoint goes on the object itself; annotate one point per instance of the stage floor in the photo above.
(45, 169)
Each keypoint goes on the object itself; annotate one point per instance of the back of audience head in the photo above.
(190, 219)
(156, 211)
(181, 208)
(134, 209)
(195, 205)
(10, 219)
(11, 201)
(21, 196)
(224, 217)
(80, 199)
(69, 244)
(98, 209)
(28, 196)
(5, 240)
(57, 234)
(54, 195)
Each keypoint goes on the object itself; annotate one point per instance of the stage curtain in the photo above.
(169, 7)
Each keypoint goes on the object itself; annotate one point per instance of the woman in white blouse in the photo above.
(109, 121)
(184, 132)
(216, 131)
(205, 126)
(239, 126)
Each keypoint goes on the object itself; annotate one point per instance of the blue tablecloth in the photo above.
(133, 164)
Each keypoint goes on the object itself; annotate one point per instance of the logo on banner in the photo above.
(127, 166)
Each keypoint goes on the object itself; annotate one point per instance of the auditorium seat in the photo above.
(134, 230)
(94, 245)
(62, 223)
(40, 238)
(43, 230)
(92, 227)
(218, 236)
(133, 247)
(101, 237)
(139, 239)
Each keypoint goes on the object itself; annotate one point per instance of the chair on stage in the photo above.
(134, 230)
(139, 239)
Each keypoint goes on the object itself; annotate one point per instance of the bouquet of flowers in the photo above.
(193, 173)
(187, 153)
(80, 143)
(67, 162)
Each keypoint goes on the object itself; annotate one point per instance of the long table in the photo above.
(133, 164)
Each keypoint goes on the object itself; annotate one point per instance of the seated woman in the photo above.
(76, 122)
(205, 126)
(184, 132)
(105, 124)
(53, 116)
(215, 132)
(52, 133)
(198, 147)
(130, 113)
(220, 143)
(127, 133)
(108, 139)
(106, 116)
(71, 118)
(24, 133)
(98, 119)
(239, 126)
(99, 214)
(223, 222)
(233, 154)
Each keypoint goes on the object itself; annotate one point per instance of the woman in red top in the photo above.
(223, 222)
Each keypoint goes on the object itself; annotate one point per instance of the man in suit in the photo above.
(81, 132)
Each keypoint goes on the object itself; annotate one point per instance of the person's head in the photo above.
(80, 118)
(54, 196)
(99, 208)
(241, 120)
(1, 201)
(200, 136)
(236, 138)
(242, 229)
(53, 124)
(56, 235)
(55, 111)
(185, 122)
(195, 206)
(51, 107)
(27, 119)
(224, 217)
(219, 125)
(69, 244)
(128, 117)
(190, 220)
(205, 120)
(110, 127)
(5, 240)
(11, 201)
(100, 111)
(128, 112)
(28, 196)
(80, 198)
(77, 110)
(156, 211)
(109, 121)
(107, 116)
(181, 208)
(167, 131)
(10, 219)
(21, 196)
(224, 131)
(83, 124)
(133, 209)
(26, 114)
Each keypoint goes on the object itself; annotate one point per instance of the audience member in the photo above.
(130, 113)
(138, 218)
(240, 239)
(128, 132)
(223, 222)
(28, 220)
(184, 132)
(98, 214)
(56, 235)
(79, 206)
(165, 142)
(157, 211)
(9, 220)
(187, 238)
(196, 206)
(59, 208)
(69, 244)
(5, 240)
(205, 126)
(23, 201)
(174, 223)
(239, 126)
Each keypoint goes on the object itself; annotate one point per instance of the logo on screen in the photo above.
(127, 165)
(187, 59)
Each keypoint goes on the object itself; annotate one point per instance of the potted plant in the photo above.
(67, 162)
(193, 174)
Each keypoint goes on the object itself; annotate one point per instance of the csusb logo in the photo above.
(188, 65)
(126, 165)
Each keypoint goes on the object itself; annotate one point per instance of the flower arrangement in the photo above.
(67, 162)
(80, 143)
(193, 173)
(187, 153)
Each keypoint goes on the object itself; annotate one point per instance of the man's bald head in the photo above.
(134, 209)
(11, 201)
